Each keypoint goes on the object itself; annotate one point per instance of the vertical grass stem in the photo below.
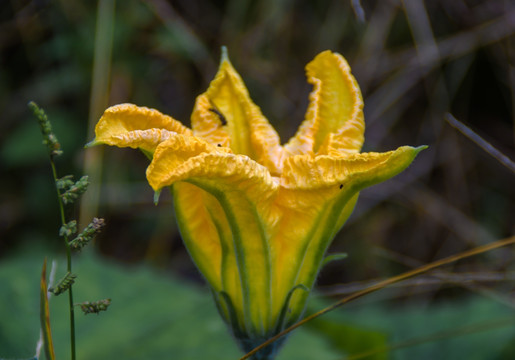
(99, 100)
(68, 263)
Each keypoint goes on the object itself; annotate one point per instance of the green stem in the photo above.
(69, 262)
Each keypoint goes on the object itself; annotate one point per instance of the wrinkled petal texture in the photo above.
(257, 217)
(306, 172)
(334, 122)
(226, 115)
(185, 157)
(127, 125)
(244, 190)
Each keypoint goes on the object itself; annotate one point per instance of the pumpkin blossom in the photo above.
(256, 216)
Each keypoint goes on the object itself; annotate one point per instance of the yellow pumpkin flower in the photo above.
(256, 216)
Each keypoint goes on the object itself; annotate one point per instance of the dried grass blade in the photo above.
(425, 268)
(45, 317)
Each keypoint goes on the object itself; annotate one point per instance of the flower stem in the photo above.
(68, 261)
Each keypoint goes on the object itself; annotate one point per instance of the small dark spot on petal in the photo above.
(341, 186)
(219, 145)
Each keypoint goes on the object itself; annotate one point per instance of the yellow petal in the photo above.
(330, 185)
(334, 119)
(198, 231)
(127, 125)
(208, 123)
(357, 170)
(225, 111)
(303, 234)
(208, 238)
(144, 139)
(186, 158)
(244, 189)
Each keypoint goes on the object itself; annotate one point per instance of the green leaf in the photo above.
(350, 339)
(153, 316)
(156, 315)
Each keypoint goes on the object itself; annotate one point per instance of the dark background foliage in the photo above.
(414, 60)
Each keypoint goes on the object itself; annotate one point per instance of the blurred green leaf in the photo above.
(151, 317)
(23, 146)
(349, 339)
(404, 323)
(508, 352)
(154, 316)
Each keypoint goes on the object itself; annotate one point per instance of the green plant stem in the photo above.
(68, 261)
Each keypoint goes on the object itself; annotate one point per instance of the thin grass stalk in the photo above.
(98, 102)
(385, 283)
(68, 262)
(479, 141)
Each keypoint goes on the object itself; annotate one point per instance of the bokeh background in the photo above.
(414, 60)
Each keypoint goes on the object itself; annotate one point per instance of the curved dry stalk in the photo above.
(467, 280)
(433, 278)
(383, 284)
